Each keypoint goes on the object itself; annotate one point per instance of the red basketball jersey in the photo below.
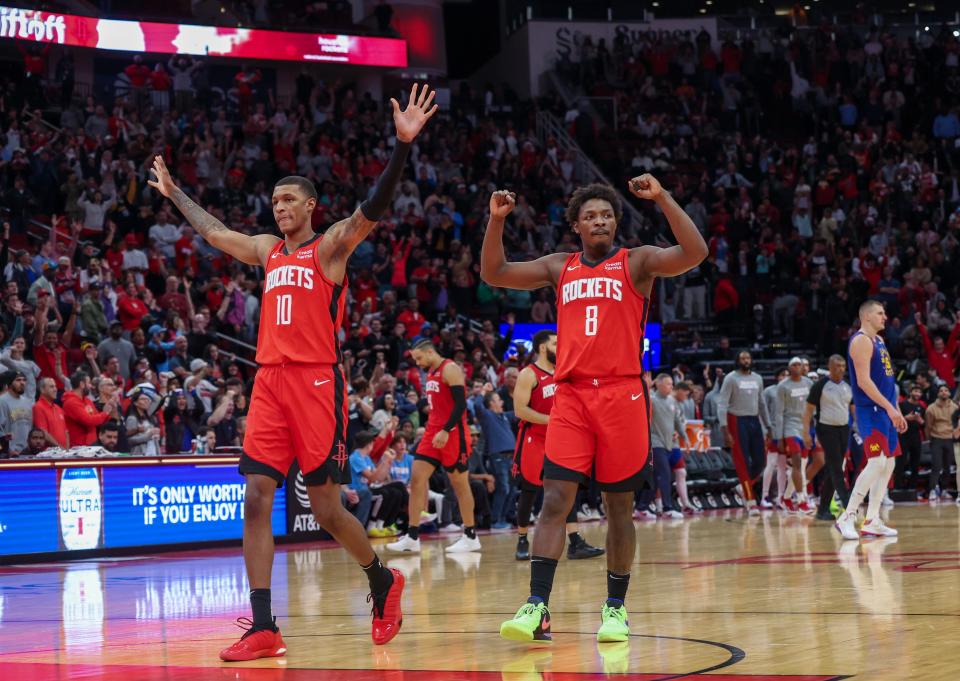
(600, 319)
(541, 399)
(301, 311)
(440, 400)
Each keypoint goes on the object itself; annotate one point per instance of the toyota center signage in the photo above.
(214, 41)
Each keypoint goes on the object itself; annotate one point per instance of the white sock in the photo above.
(681, 479)
(768, 473)
(874, 469)
(878, 490)
(781, 476)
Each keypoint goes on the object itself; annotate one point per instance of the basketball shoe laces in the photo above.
(247, 624)
(526, 609)
(379, 603)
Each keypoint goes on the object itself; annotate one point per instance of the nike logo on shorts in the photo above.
(636, 397)
(319, 383)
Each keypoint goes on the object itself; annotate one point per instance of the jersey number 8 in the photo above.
(590, 321)
(284, 309)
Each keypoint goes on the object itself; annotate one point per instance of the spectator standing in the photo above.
(82, 415)
(50, 348)
(93, 315)
(940, 355)
(49, 417)
(143, 434)
(119, 347)
(13, 358)
(941, 430)
(16, 413)
(911, 440)
(499, 441)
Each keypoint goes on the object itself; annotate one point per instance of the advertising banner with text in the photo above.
(214, 41)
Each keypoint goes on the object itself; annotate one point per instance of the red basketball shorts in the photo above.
(453, 456)
(601, 429)
(298, 411)
(528, 457)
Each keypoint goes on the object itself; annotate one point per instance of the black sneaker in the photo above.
(523, 548)
(825, 516)
(580, 549)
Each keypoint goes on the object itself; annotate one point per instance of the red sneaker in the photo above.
(790, 505)
(804, 508)
(254, 644)
(387, 617)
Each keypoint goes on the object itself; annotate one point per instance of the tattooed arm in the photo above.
(252, 250)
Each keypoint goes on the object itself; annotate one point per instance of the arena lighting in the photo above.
(214, 41)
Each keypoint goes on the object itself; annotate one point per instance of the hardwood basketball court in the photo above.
(717, 597)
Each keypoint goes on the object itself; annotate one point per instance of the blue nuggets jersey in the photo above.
(881, 372)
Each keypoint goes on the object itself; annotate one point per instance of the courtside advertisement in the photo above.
(72, 509)
(214, 41)
(174, 504)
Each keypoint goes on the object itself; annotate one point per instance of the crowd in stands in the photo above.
(822, 166)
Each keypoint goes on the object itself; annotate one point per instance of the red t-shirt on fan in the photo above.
(302, 309)
(600, 319)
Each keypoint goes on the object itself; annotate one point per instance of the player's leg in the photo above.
(782, 478)
(874, 445)
(258, 546)
(768, 472)
(267, 457)
(420, 474)
(755, 451)
(386, 586)
(524, 511)
(577, 546)
(814, 464)
(736, 430)
(460, 482)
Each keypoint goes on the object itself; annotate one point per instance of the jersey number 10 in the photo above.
(284, 309)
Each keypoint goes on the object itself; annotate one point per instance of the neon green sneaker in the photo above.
(531, 623)
(614, 624)
(835, 508)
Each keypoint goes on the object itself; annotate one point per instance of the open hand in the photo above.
(646, 186)
(410, 121)
(163, 182)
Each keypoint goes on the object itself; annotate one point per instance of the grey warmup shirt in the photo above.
(791, 402)
(742, 395)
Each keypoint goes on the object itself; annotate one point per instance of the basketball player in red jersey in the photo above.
(600, 422)
(298, 408)
(445, 442)
(532, 403)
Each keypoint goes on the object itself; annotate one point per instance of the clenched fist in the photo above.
(501, 203)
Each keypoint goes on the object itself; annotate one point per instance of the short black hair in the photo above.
(593, 191)
(363, 439)
(108, 426)
(488, 398)
(78, 377)
(540, 337)
(424, 344)
(305, 185)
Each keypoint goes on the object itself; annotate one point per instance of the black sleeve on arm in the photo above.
(459, 405)
(374, 207)
(813, 397)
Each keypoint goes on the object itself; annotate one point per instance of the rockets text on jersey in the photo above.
(600, 319)
(541, 398)
(440, 399)
(302, 310)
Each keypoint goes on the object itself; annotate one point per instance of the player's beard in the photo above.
(551, 357)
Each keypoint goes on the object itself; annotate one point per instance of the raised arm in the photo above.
(494, 268)
(691, 249)
(343, 237)
(252, 250)
(526, 382)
